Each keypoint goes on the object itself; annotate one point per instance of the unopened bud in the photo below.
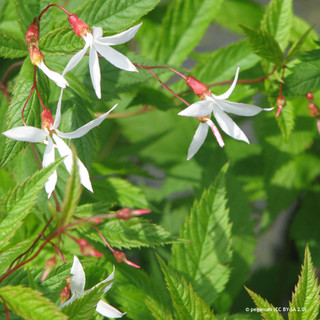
(121, 257)
(313, 110)
(65, 293)
(309, 96)
(127, 213)
(281, 101)
(47, 120)
(50, 265)
(88, 249)
(80, 28)
(32, 35)
(199, 88)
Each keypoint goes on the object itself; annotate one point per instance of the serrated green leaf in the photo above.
(11, 46)
(32, 111)
(72, 194)
(304, 78)
(187, 303)
(296, 46)
(60, 41)
(114, 15)
(30, 304)
(157, 311)
(20, 201)
(134, 233)
(268, 311)
(306, 298)
(221, 65)
(84, 307)
(264, 45)
(277, 21)
(26, 12)
(184, 25)
(286, 120)
(203, 261)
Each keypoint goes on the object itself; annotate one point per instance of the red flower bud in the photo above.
(313, 110)
(309, 96)
(32, 35)
(127, 213)
(199, 88)
(36, 56)
(47, 120)
(87, 249)
(50, 265)
(281, 101)
(79, 27)
(121, 257)
(65, 293)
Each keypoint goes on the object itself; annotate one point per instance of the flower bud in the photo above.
(281, 101)
(36, 56)
(32, 35)
(79, 27)
(65, 293)
(199, 88)
(121, 257)
(87, 249)
(127, 213)
(309, 96)
(50, 265)
(313, 109)
(47, 120)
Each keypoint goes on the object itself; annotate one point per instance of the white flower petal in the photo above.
(54, 76)
(75, 59)
(228, 125)
(48, 158)
(198, 139)
(108, 311)
(78, 278)
(95, 71)
(116, 58)
(64, 151)
(227, 94)
(26, 133)
(109, 279)
(97, 33)
(198, 109)
(86, 128)
(216, 132)
(57, 117)
(120, 38)
(240, 109)
(84, 175)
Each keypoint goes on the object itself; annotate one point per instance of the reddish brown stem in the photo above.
(103, 238)
(53, 5)
(5, 308)
(5, 78)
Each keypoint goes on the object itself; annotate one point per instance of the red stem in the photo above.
(5, 308)
(53, 5)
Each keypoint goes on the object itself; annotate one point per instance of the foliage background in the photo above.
(207, 213)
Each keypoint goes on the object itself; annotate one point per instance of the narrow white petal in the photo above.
(122, 37)
(116, 58)
(97, 33)
(240, 109)
(228, 125)
(84, 175)
(95, 71)
(198, 109)
(57, 117)
(86, 128)
(57, 78)
(26, 133)
(75, 59)
(48, 158)
(109, 279)
(78, 278)
(108, 311)
(198, 139)
(227, 94)
(64, 151)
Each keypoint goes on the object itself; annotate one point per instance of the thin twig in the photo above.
(5, 77)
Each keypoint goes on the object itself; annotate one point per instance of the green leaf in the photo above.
(304, 78)
(11, 46)
(268, 311)
(306, 298)
(84, 307)
(134, 233)
(32, 110)
(277, 21)
(264, 45)
(60, 41)
(72, 194)
(114, 15)
(184, 25)
(20, 201)
(187, 303)
(30, 304)
(297, 45)
(120, 191)
(158, 311)
(204, 260)
(286, 120)
(26, 12)
(221, 65)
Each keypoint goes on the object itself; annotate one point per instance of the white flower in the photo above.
(219, 106)
(51, 136)
(77, 284)
(100, 44)
(57, 78)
